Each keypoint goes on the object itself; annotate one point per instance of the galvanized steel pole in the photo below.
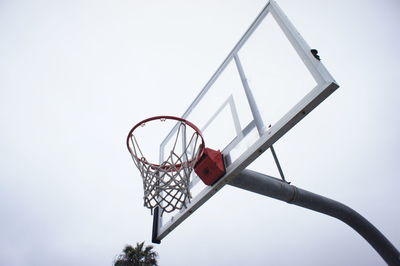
(277, 189)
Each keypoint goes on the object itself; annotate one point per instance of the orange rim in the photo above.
(171, 167)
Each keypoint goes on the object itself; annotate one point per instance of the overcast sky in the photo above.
(75, 76)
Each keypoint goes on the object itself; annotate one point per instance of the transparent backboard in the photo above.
(269, 82)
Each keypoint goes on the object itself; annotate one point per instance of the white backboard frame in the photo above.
(325, 85)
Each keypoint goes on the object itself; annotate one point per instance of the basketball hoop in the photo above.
(167, 184)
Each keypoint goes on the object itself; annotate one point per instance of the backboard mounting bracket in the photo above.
(278, 165)
(156, 221)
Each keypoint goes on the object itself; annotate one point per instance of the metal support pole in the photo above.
(277, 163)
(277, 189)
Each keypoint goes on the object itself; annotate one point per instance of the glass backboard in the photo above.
(269, 81)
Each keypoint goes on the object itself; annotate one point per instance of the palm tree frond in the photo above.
(137, 256)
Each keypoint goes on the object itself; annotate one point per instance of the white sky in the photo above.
(76, 75)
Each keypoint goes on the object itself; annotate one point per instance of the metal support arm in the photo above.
(277, 189)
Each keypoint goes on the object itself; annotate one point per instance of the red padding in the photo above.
(210, 167)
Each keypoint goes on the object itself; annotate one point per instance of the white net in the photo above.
(167, 185)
